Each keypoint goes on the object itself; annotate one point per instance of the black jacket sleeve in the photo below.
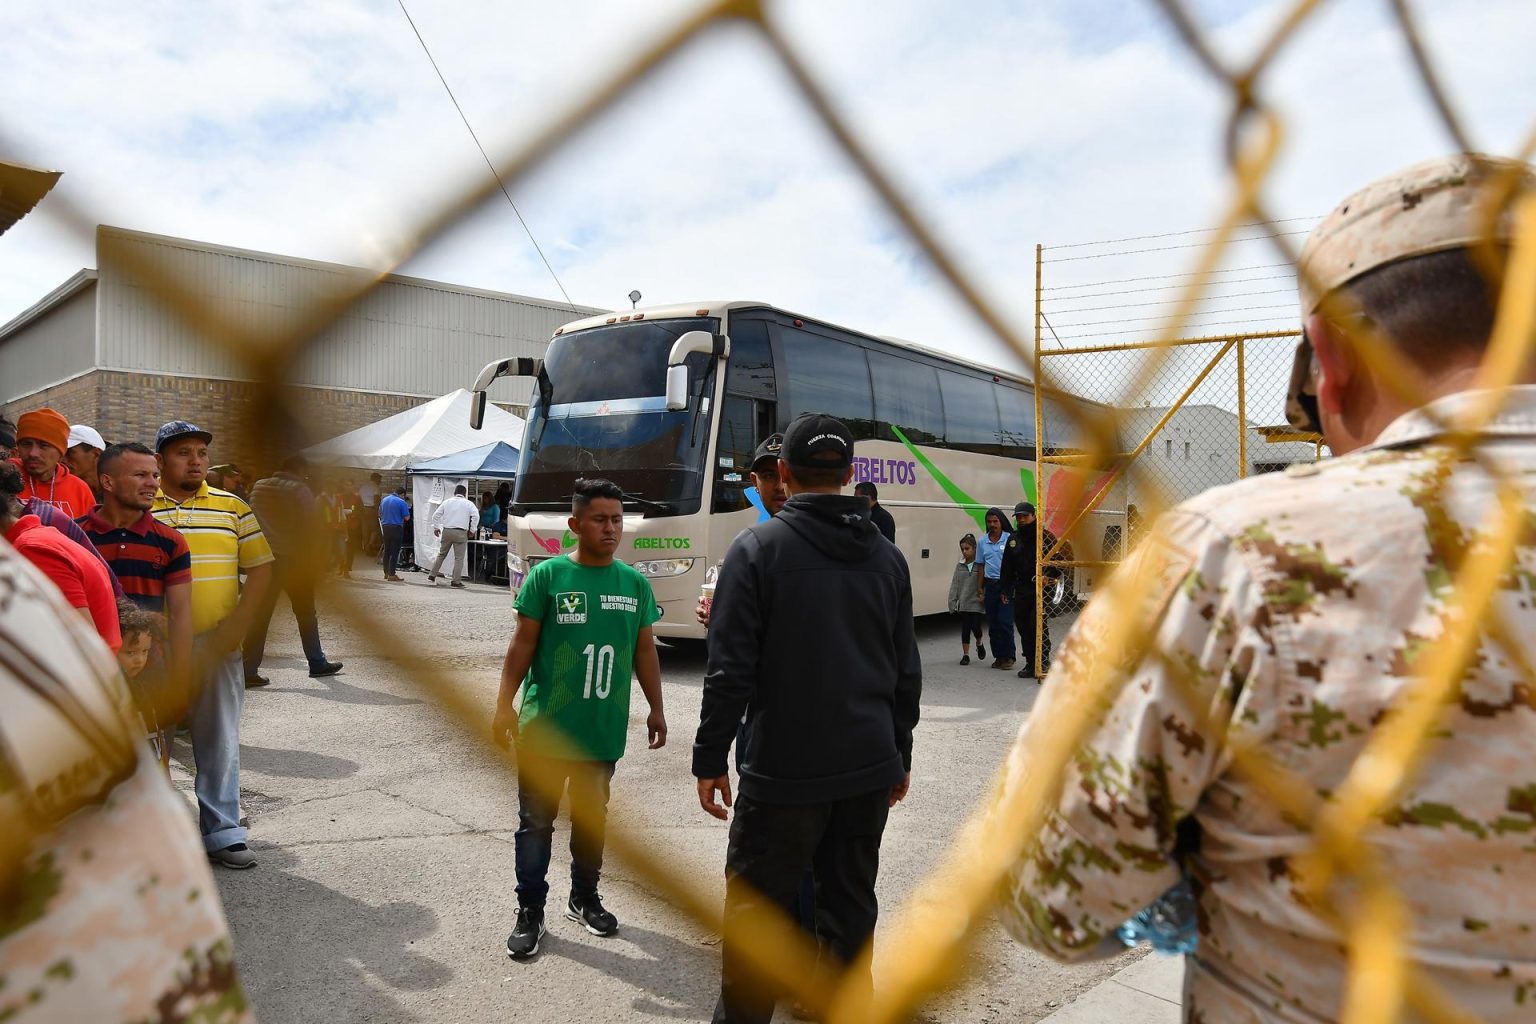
(1013, 571)
(909, 673)
(735, 646)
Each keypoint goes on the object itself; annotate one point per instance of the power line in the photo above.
(1251, 323)
(425, 49)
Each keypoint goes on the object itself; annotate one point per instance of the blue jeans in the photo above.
(216, 749)
(537, 809)
(999, 620)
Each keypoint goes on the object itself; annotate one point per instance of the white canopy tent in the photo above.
(440, 427)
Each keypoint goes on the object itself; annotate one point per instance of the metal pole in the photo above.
(1242, 412)
(1040, 491)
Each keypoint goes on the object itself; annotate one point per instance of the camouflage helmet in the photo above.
(1430, 207)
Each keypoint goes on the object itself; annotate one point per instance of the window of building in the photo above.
(1168, 448)
(1186, 451)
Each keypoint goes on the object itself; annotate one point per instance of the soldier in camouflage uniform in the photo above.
(1286, 614)
(107, 909)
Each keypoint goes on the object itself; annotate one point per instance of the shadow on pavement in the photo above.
(337, 689)
(309, 953)
(295, 764)
(678, 979)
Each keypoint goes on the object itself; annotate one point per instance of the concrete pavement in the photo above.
(384, 838)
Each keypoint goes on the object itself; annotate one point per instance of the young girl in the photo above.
(142, 632)
(965, 600)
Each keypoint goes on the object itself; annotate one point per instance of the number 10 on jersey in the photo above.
(600, 666)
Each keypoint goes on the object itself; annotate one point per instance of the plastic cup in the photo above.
(707, 595)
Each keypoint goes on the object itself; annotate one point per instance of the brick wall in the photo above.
(247, 432)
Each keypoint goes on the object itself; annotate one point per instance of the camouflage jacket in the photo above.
(107, 909)
(1290, 612)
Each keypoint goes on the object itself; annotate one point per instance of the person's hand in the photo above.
(707, 790)
(701, 612)
(504, 726)
(899, 791)
(656, 728)
(436, 532)
(1003, 598)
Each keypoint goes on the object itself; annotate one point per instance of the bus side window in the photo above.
(733, 453)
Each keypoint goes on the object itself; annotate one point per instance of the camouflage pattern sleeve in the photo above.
(108, 912)
(1107, 848)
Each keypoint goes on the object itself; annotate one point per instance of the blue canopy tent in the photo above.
(434, 480)
(494, 461)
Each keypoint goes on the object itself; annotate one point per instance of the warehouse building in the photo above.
(103, 350)
(1197, 449)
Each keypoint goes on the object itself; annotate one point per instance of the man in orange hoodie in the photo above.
(42, 436)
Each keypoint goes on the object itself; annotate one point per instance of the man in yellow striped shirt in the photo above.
(225, 540)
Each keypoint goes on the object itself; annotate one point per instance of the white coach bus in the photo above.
(669, 403)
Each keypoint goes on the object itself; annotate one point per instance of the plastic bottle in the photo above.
(1169, 924)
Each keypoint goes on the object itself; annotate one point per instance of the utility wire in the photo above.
(425, 49)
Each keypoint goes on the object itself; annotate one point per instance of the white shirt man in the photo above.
(453, 522)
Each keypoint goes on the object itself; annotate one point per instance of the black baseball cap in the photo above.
(818, 441)
(769, 449)
(1023, 508)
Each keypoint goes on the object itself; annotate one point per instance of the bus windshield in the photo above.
(600, 410)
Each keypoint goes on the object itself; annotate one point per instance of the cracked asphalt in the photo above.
(383, 890)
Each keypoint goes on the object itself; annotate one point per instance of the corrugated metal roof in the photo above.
(22, 188)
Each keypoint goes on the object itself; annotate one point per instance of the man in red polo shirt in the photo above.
(151, 560)
(42, 437)
(79, 575)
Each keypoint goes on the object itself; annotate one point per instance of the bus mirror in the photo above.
(677, 388)
(477, 409)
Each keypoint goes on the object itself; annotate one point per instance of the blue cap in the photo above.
(179, 428)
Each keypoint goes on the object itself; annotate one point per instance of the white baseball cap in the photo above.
(79, 433)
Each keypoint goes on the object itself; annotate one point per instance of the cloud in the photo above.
(320, 130)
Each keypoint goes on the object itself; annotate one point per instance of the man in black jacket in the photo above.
(1018, 579)
(878, 513)
(811, 635)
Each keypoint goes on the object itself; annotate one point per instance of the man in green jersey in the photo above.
(583, 624)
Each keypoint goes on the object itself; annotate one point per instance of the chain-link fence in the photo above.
(925, 948)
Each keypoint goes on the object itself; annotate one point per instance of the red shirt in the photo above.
(66, 492)
(79, 575)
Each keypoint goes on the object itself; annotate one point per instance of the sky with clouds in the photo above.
(317, 128)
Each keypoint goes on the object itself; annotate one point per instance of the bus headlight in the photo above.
(664, 567)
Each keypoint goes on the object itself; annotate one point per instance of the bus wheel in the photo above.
(1060, 591)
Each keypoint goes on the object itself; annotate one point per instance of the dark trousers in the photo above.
(299, 585)
(771, 846)
(394, 536)
(999, 619)
(1024, 611)
(970, 625)
(537, 808)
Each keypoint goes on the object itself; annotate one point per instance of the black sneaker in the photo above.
(524, 940)
(965, 659)
(588, 911)
(981, 652)
(330, 668)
